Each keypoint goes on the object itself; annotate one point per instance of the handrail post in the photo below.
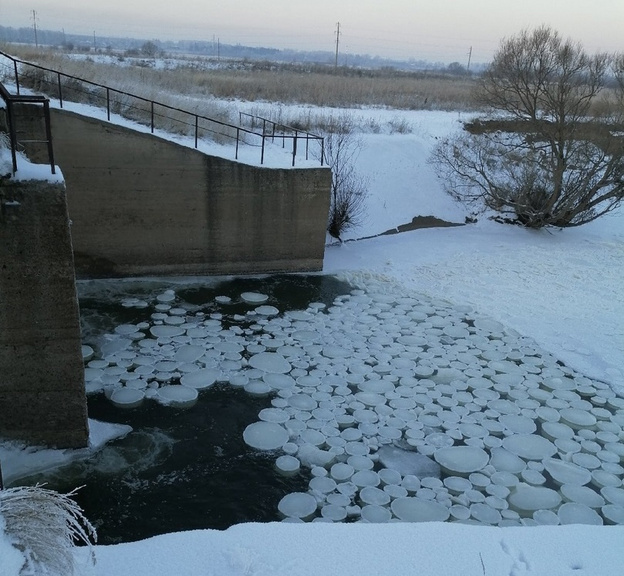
(262, 153)
(196, 129)
(322, 150)
(16, 77)
(46, 112)
(294, 153)
(12, 135)
(152, 109)
(108, 103)
(237, 137)
(60, 89)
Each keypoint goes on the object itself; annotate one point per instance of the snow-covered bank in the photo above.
(561, 288)
(19, 460)
(432, 549)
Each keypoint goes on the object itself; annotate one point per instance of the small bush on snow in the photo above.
(348, 189)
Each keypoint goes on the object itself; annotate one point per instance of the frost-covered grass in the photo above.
(44, 526)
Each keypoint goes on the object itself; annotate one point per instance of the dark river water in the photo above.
(182, 469)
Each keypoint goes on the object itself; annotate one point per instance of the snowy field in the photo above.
(561, 289)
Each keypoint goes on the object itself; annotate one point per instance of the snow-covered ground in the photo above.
(563, 288)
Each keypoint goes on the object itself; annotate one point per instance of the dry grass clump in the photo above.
(45, 526)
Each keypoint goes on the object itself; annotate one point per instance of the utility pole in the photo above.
(94, 45)
(469, 58)
(337, 43)
(34, 19)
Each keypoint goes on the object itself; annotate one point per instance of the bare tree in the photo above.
(545, 160)
(348, 189)
(149, 49)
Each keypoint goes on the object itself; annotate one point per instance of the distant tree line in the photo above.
(215, 49)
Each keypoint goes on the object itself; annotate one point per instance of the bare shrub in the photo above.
(399, 125)
(373, 125)
(546, 162)
(348, 189)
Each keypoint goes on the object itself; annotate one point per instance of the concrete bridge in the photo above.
(132, 204)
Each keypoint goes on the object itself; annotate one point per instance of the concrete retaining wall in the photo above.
(141, 205)
(42, 394)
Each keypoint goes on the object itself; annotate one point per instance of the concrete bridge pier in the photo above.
(42, 392)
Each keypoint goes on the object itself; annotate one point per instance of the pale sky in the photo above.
(436, 30)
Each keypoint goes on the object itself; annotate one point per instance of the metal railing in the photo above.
(275, 130)
(11, 117)
(151, 113)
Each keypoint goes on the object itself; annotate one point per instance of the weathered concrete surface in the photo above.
(142, 205)
(42, 393)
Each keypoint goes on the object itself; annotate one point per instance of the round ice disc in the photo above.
(127, 397)
(582, 495)
(526, 498)
(178, 396)
(415, 510)
(376, 514)
(287, 465)
(297, 505)
(575, 513)
(529, 446)
(461, 460)
(613, 514)
(265, 435)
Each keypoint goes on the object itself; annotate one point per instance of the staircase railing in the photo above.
(151, 113)
(11, 117)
